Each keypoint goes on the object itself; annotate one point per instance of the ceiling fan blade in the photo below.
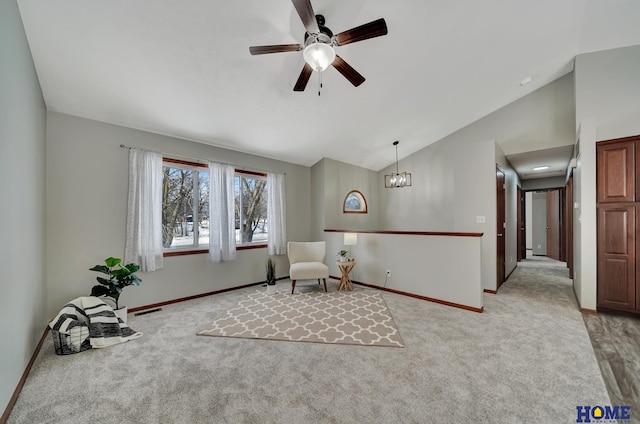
(307, 16)
(278, 48)
(303, 79)
(363, 32)
(349, 73)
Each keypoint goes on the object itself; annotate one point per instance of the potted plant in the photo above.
(342, 254)
(118, 277)
(271, 276)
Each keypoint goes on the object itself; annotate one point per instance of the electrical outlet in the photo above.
(388, 273)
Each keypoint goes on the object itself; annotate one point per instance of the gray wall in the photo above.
(453, 183)
(339, 179)
(454, 178)
(317, 201)
(22, 159)
(87, 183)
(544, 183)
(607, 106)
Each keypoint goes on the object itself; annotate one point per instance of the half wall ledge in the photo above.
(409, 233)
(442, 267)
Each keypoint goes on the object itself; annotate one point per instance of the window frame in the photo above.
(240, 173)
(363, 202)
(176, 251)
(189, 250)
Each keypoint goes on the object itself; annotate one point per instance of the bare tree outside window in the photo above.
(251, 209)
(185, 217)
(185, 207)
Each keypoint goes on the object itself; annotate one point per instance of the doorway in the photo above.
(543, 227)
(545, 222)
(500, 225)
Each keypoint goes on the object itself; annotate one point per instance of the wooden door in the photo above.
(520, 228)
(563, 224)
(500, 226)
(617, 256)
(553, 224)
(569, 228)
(615, 172)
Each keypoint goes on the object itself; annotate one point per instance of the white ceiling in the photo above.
(182, 68)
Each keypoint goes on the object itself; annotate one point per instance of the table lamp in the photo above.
(350, 239)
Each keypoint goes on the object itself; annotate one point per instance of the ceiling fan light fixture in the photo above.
(319, 43)
(319, 56)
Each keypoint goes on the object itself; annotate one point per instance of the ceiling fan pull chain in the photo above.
(320, 83)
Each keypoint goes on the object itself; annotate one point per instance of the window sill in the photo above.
(169, 253)
(251, 246)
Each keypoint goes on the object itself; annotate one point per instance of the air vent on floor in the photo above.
(149, 311)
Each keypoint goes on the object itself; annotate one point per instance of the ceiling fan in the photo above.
(319, 42)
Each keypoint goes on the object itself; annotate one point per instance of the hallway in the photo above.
(615, 338)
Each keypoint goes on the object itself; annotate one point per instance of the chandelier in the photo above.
(397, 179)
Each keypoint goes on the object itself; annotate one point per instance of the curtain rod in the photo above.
(200, 160)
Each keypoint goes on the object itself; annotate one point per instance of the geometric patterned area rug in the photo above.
(360, 318)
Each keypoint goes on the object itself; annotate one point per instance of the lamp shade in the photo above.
(319, 56)
(350, 239)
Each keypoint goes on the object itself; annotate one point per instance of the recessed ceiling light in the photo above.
(526, 81)
(541, 168)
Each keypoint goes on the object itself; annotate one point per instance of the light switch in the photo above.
(480, 219)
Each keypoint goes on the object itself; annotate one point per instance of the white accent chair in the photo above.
(306, 261)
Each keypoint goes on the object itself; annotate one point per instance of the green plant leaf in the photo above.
(120, 272)
(111, 261)
(100, 268)
(104, 281)
(132, 267)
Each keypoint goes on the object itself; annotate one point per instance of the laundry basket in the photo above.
(76, 341)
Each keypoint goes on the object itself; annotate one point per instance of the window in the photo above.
(251, 208)
(185, 206)
(354, 202)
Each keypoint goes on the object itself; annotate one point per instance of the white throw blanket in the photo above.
(104, 327)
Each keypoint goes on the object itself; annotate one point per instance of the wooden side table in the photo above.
(345, 269)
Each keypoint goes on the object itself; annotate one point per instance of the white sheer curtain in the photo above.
(144, 212)
(222, 232)
(276, 214)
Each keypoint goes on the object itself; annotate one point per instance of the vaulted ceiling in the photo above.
(183, 68)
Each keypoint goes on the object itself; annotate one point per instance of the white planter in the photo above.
(122, 313)
(343, 259)
(271, 289)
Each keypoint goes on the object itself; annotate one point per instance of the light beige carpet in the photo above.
(360, 318)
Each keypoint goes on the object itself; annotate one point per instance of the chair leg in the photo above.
(318, 281)
(325, 283)
(293, 285)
